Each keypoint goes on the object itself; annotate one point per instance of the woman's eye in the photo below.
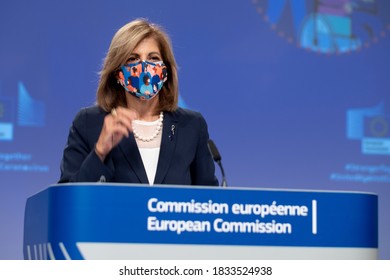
(154, 58)
(133, 59)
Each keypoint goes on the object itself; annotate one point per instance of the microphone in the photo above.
(217, 158)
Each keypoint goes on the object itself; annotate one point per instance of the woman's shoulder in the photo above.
(188, 117)
(92, 110)
(183, 113)
(91, 113)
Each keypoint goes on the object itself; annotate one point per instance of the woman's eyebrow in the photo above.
(154, 53)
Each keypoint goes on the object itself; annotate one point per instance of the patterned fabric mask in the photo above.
(143, 79)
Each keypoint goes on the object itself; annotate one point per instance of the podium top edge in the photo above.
(232, 188)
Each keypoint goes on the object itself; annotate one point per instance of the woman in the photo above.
(129, 137)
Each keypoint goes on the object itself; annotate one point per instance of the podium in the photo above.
(124, 221)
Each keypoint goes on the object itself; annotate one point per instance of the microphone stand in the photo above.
(217, 158)
(224, 182)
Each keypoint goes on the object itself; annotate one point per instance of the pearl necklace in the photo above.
(154, 135)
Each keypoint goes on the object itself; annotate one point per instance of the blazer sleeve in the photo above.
(203, 167)
(80, 163)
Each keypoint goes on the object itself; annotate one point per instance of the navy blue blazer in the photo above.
(184, 156)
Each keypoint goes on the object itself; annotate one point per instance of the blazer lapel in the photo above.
(129, 148)
(168, 144)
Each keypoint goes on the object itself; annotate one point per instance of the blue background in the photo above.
(278, 112)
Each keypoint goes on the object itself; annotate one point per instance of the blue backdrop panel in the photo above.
(296, 94)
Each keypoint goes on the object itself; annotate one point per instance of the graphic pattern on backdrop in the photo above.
(327, 26)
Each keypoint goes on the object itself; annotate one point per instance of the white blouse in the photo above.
(149, 150)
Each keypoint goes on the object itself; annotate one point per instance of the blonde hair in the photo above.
(110, 94)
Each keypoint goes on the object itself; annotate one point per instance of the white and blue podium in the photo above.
(122, 221)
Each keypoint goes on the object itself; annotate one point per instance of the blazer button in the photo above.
(102, 179)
